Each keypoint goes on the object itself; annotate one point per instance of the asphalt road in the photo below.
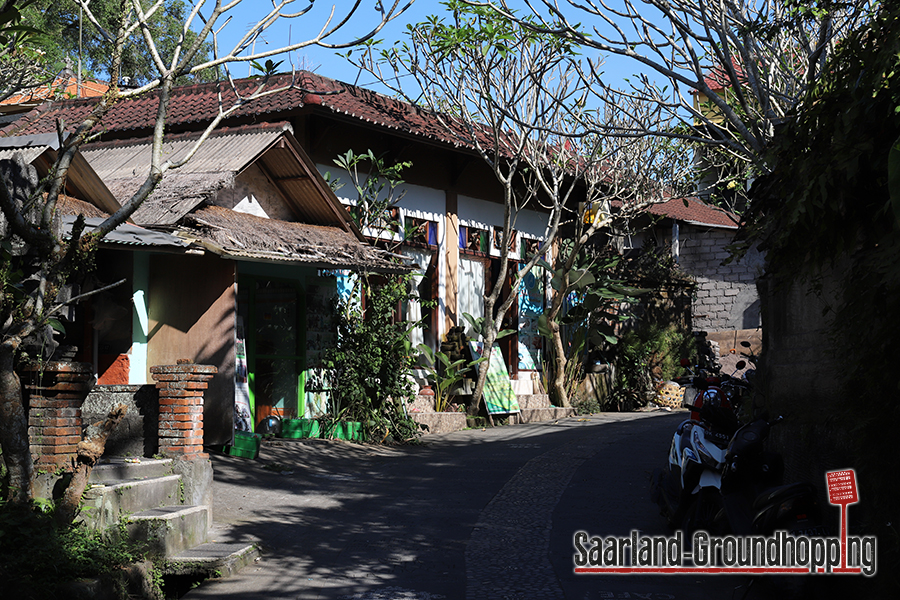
(474, 514)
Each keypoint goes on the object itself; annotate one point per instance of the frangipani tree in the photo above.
(510, 96)
(730, 71)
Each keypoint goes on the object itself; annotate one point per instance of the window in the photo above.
(421, 287)
(498, 239)
(420, 232)
(473, 239)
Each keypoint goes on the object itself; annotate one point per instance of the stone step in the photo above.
(170, 530)
(119, 468)
(441, 422)
(213, 559)
(530, 401)
(106, 503)
(538, 415)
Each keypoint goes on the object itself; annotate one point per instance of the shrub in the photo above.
(370, 365)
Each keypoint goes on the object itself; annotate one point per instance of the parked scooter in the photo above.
(732, 489)
(755, 500)
(687, 490)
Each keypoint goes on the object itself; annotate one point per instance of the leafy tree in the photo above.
(506, 92)
(21, 59)
(510, 90)
(829, 215)
(38, 264)
(729, 72)
(67, 34)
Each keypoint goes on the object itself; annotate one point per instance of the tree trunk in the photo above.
(558, 384)
(89, 451)
(14, 428)
(477, 395)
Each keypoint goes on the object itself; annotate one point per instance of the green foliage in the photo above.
(646, 353)
(267, 69)
(376, 188)
(60, 26)
(828, 215)
(12, 30)
(598, 295)
(370, 366)
(444, 375)
(827, 195)
(485, 29)
(586, 406)
(479, 328)
(37, 558)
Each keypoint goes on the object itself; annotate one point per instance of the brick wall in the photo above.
(725, 297)
(181, 389)
(55, 393)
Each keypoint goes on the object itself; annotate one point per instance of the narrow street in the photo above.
(473, 514)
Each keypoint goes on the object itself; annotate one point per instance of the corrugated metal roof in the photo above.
(226, 150)
(127, 234)
(29, 153)
(42, 140)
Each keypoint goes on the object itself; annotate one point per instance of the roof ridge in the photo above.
(185, 135)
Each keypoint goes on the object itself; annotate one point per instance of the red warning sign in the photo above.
(842, 487)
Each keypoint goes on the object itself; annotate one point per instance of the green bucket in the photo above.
(246, 445)
(299, 428)
(344, 430)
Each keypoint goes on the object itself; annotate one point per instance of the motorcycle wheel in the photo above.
(701, 513)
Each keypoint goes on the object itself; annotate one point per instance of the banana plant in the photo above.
(444, 374)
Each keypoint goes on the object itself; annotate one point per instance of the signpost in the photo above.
(842, 490)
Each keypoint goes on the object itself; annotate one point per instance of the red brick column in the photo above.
(181, 408)
(56, 391)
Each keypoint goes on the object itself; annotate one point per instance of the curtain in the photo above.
(413, 309)
(470, 298)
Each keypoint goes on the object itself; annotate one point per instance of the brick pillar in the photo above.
(181, 408)
(56, 391)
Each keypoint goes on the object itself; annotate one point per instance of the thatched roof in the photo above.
(244, 236)
(175, 196)
(68, 205)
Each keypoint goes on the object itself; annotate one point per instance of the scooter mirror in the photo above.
(745, 344)
(685, 362)
(740, 365)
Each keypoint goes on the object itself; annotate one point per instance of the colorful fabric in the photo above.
(499, 397)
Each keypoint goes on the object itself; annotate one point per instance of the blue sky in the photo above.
(324, 61)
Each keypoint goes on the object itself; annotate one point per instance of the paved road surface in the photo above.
(474, 514)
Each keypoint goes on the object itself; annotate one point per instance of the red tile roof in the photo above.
(197, 104)
(63, 86)
(696, 212)
(718, 78)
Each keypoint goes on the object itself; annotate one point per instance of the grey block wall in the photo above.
(136, 435)
(725, 297)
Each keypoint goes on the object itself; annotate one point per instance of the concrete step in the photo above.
(105, 503)
(119, 468)
(213, 559)
(170, 530)
(530, 401)
(537, 415)
(441, 422)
